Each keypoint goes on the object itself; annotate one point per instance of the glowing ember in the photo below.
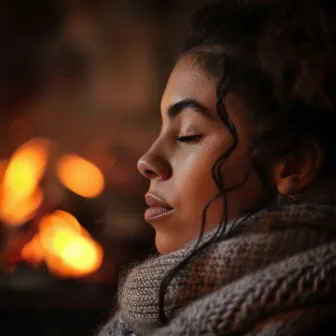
(61, 242)
(25, 169)
(58, 220)
(80, 176)
(82, 255)
(3, 167)
(33, 252)
(16, 212)
(65, 246)
(19, 194)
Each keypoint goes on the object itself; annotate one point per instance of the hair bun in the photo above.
(297, 51)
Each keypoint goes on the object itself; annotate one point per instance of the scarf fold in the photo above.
(277, 259)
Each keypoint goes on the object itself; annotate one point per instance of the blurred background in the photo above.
(80, 87)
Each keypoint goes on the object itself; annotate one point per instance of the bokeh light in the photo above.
(80, 176)
(65, 246)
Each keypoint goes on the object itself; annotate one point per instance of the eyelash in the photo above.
(189, 138)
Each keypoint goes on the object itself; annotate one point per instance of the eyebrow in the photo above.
(175, 109)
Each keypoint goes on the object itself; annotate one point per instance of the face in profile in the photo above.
(179, 163)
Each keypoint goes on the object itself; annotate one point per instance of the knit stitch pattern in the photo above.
(278, 261)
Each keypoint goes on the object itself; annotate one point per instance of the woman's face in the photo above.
(179, 163)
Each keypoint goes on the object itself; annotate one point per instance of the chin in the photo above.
(163, 248)
(168, 243)
(165, 244)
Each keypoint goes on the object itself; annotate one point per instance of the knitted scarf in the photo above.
(278, 265)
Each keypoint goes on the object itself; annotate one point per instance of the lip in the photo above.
(157, 207)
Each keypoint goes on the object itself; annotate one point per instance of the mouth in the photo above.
(157, 207)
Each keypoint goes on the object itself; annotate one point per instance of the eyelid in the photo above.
(189, 138)
(188, 128)
(188, 133)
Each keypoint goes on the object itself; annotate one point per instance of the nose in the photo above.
(154, 166)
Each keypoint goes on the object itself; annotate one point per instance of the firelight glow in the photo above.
(80, 176)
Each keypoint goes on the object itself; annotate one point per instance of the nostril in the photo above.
(146, 170)
(154, 167)
(143, 167)
(150, 174)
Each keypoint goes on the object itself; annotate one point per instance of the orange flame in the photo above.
(25, 169)
(3, 167)
(65, 246)
(80, 176)
(62, 243)
(15, 212)
(32, 252)
(20, 196)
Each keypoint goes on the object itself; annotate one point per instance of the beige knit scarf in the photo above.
(276, 260)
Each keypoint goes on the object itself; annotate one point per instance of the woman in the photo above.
(248, 118)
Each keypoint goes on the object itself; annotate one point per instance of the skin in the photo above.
(179, 163)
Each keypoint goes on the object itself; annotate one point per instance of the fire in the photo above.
(17, 212)
(61, 242)
(32, 252)
(77, 255)
(3, 167)
(80, 176)
(19, 194)
(65, 246)
(25, 169)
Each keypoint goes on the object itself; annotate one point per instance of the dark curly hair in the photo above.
(279, 58)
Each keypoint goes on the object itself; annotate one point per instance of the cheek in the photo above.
(193, 180)
(196, 186)
(247, 189)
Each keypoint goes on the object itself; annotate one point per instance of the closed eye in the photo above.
(189, 138)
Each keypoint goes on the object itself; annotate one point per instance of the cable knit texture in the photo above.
(274, 274)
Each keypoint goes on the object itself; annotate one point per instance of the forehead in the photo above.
(189, 80)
